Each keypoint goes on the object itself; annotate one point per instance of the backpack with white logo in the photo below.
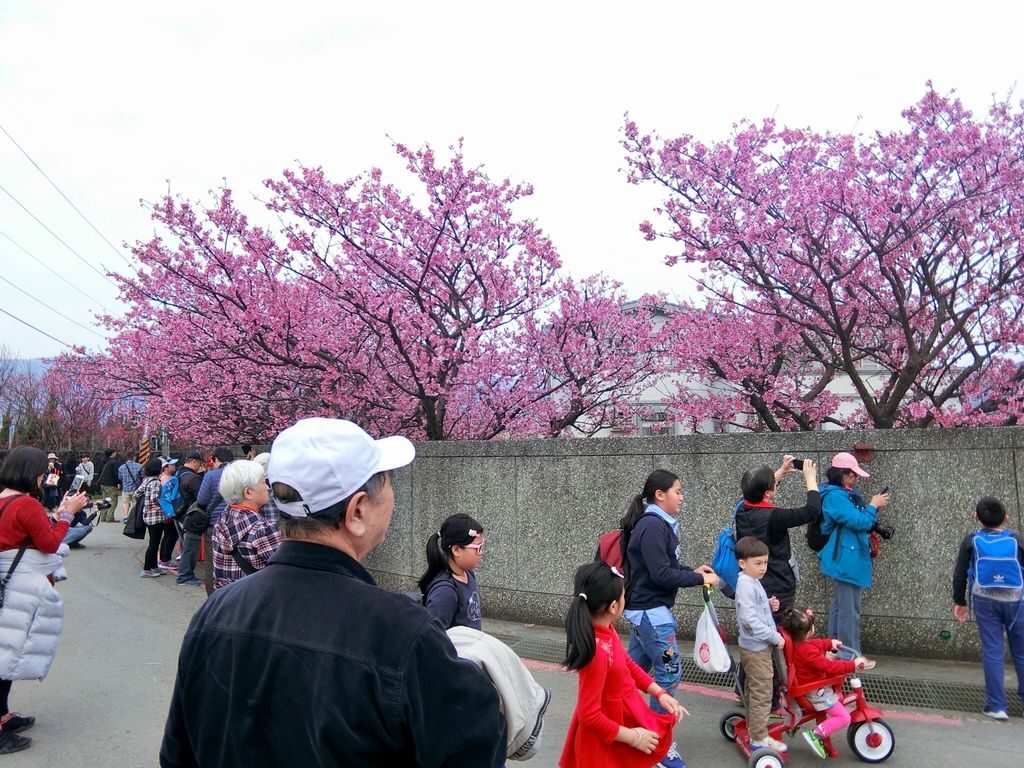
(996, 561)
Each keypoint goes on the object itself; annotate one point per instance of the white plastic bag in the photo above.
(709, 651)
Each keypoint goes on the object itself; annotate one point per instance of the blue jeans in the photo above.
(844, 615)
(76, 534)
(189, 555)
(993, 616)
(655, 647)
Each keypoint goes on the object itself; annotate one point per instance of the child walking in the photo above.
(448, 585)
(992, 560)
(757, 636)
(612, 726)
(650, 541)
(810, 663)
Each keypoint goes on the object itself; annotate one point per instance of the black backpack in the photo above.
(134, 524)
(816, 540)
(196, 519)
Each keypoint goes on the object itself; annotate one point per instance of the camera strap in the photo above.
(17, 557)
(7, 576)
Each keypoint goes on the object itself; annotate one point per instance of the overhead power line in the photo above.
(59, 239)
(43, 264)
(66, 198)
(56, 311)
(37, 330)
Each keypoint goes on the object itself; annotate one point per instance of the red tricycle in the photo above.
(870, 737)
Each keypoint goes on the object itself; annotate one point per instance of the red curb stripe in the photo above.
(547, 666)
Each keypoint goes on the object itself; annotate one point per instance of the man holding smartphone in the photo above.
(81, 524)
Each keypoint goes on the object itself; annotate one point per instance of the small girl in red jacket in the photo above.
(812, 664)
(612, 725)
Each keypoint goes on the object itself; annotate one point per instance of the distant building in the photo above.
(654, 417)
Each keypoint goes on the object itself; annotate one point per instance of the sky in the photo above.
(119, 102)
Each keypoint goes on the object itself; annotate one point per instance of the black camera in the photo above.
(885, 531)
(798, 464)
(99, 505)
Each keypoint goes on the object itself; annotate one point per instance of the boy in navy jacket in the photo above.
(986, 560)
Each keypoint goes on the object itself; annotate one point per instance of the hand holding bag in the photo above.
(709, 650)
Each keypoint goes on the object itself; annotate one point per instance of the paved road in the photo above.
(105, 700)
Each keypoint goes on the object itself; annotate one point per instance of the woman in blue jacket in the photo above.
(846, 559)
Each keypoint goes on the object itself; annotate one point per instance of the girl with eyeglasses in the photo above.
(449, 585)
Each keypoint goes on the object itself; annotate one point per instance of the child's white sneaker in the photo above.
(996, 714)
(770, 743)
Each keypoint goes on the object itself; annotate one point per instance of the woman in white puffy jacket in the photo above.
(32, 612)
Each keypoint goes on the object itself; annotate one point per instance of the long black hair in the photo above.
(21, 470)
(658, 480)
(595, 587)
(458, 530)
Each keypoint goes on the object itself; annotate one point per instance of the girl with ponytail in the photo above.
(612, 725)
(449, 585)
(650, 537)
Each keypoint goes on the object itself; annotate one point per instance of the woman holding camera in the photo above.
(30, 627)
(846, 558)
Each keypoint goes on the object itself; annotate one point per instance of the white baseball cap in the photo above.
(328, 460)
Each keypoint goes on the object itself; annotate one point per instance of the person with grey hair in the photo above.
(315, 664)
(243, 538)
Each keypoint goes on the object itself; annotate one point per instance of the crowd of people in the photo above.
(295, 629)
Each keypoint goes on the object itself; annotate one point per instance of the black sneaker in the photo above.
(12, 742)
(18, 723)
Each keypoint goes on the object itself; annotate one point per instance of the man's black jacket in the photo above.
(309, 663)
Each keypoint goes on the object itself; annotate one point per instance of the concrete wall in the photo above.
(543, 504)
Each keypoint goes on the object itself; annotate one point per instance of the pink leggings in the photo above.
(838, 718)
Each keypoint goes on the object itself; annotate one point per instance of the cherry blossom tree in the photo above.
(893, 261)
(432, 312)
(37, 408)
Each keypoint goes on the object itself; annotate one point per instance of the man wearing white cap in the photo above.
(846, 558)
(308, 661)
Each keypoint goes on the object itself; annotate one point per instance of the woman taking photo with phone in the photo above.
(30, 626)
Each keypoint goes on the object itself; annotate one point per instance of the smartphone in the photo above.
(798, 463)
(884, 490)
(76, 484)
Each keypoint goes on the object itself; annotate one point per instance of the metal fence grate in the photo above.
(879, 689)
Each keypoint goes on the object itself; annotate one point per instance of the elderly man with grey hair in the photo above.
(244, 538)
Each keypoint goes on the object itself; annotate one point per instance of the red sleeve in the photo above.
(588, 700)
(812, 665)
(40, 532)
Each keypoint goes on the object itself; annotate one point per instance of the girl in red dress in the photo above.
(612, 726)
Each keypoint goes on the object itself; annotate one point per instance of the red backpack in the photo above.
(609, 549)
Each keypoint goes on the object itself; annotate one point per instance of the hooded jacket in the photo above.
(847, 556)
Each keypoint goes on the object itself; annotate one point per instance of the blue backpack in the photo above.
(996, 564)
(724, 561)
